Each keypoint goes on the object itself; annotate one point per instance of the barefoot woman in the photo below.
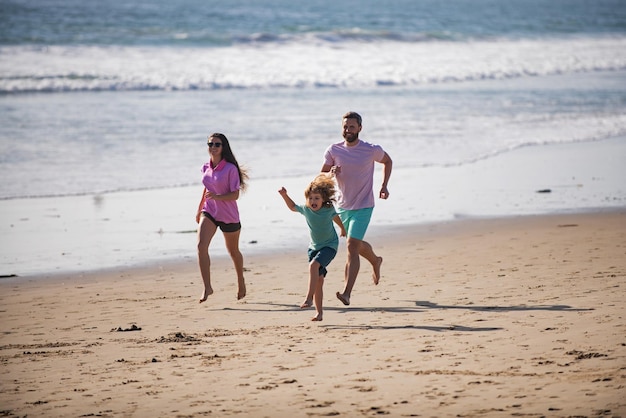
(222, 179)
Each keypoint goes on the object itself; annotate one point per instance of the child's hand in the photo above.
(290, 204)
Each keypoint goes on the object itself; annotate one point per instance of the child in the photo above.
(320, 214)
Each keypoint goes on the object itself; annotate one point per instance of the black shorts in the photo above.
(223, 225)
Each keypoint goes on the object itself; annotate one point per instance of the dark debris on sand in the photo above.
(132, 328)
(178, 337)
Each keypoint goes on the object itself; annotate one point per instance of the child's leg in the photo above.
(314, 268)
(319, 298)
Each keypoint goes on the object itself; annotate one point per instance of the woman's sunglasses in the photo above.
(214, 144)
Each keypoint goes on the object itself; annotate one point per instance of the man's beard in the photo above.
(350, 137)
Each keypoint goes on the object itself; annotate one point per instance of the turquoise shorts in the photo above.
(356, 221)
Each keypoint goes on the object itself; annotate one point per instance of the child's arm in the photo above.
(200, 205)
(290, 203)
(337, 220)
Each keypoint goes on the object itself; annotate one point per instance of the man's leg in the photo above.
(353, 264)
(367, 252)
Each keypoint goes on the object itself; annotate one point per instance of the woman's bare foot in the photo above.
(376, 273)
(317, 317)
(241, 292)
(207, 292)
(306, 304)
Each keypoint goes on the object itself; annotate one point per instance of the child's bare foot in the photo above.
(306, 304)
(376, 274)
(343, 299)
(207, 292)
(317, 317)
(241, 293)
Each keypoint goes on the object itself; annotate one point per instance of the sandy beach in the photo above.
(504, 235)
(517, 316)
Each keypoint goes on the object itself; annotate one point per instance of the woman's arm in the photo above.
(226, 196)
(200, 205)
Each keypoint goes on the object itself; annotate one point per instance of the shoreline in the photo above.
(380, 237)
(475, 318)
(78, 234)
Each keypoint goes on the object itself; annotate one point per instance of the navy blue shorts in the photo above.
(323, 256)
(222, 225)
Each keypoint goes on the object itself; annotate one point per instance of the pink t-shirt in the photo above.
(222, 179)
(356, 177)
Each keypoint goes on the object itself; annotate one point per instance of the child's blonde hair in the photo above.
(324, 186)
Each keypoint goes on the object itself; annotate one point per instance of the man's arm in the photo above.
(386, 161)
(332, 169)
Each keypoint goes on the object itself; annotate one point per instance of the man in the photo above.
(352, 163)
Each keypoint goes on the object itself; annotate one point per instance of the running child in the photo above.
(319, 213)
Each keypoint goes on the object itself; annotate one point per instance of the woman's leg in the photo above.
(206, 231)
(232, 245)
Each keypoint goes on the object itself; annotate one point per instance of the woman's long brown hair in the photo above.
(227, 154)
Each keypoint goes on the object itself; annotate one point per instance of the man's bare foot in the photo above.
(241, 293)
(376, 273)
(207, 292)
(317, 317)
(343, 299)
(306, 304)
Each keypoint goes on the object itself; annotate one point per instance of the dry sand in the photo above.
(523, 316)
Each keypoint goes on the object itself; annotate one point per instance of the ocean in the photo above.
(103, 98)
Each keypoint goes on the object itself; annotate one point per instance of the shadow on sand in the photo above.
(417, 307)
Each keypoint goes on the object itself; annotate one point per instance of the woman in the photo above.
(222, 179)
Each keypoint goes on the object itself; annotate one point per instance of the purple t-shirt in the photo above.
(356, 177)
(222, 179)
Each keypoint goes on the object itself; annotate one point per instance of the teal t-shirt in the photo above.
(321, 227)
